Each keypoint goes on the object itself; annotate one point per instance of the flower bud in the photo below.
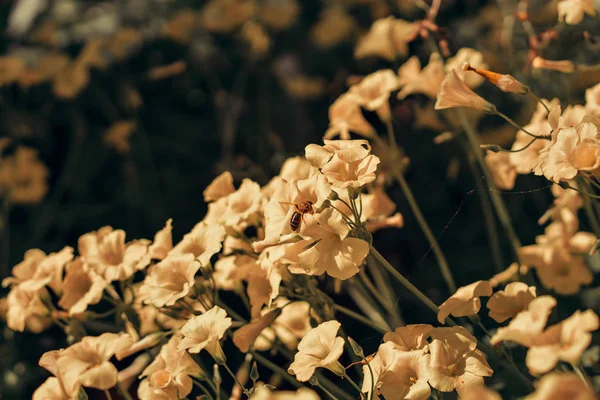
(506, 83)
(494, 148)
(356, 348)
(565, 66)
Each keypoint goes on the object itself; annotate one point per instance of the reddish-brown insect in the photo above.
(298, 215)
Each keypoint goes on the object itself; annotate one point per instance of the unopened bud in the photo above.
(595, 247)
(494, 148)
(333, 196)
(313, 380)
(356, 348)
(506, 83)
(254, 373)
(565, 66)
(353, 192)
(216, 376)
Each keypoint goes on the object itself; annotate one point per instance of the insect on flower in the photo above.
(298, 215)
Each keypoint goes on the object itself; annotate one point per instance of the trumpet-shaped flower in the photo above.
(82, 287)
(319, 348)
(473, 58)
(169, 280)
(203, 242)
(345, 116)
(427, 81)
(373, 92)
(327, 248)
(504, 173)
(26, 310)
(465, 301)
(564, 341)
(204, 332)
(163, 242)
(221, 186)
(407, 376)
(387, 38)
(107, 253)
(507, 303)
(38, 270)
(409, 337)
(453, 92)
(561, 386)
(50, 390)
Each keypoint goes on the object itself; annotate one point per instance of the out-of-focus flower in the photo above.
(291, 326)
(373, 92)
(427, 81)
(327, 248)
(471, 57)
(334, 26)
(38, 270)
(106, 252)
(319, 348)
(117, 136)
(242, 207)
(81, 287)
(465, 301)
(169, 280)
(163, 242)
(456, 367)
(23, 177)
(264, 393)
(453, 92)
(388, 38)
(180, 27)
(86, 363)
(592, 99)
(561, 386)
(245, 337)
(503, 171)
(204, 241)
(70, 81)
(480, 393)
(46, 68)
(564, 66)
(257, 38)
(224, 16)
(221, 186)
(278, 14)
(345, 116)
(345, 163)
(507, 303)
(528, 324)
(564, 341)
(93, 54)
(572, 11)
(169, 375)
(26, 310)
(304, 86)
(10, 69)
(50, 390)
(204, 332)
(409, 337)
(123, 43)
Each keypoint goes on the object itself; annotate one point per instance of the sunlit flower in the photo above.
(144, 343)
(388, 38)
(409, 337)
(427, 81)
(204, 332)
(107, 253)
(244, 206)
(407, 376)
(572, 11)
(259, 291)
(345, 116)
(507, 303)
(480, 393)
(453, 92)
(87, 364)
(503, 171)
(319, 348)
(245, 337)
(51, 389)
(203, 242)
(465, 301)
(38, 270)
(221, 186)
(26, 310)
(373, 92)
(327, 248)
(23, 177)
(527, 324)
(454, 337)
(117, 136)
(564, 341)
(335, 25)
(456, 367)
(278, 14)
(472, 57)
(345, 163)
(561, 386)
(291, 326)
(264, 393)
(169, 375)
(377, 210)
(81, 287)
(169, 280)
(592, 99)
(163, 242)
(232, 270)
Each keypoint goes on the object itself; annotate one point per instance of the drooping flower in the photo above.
(319, 348)
(169, 375)
(471, 57)
(345, 163)
(373, 92)
(163, 242)
(388, 38)
(106, 252)
(409, 337)
(38, 270)
(345, 116)
(169, 280)
(220, 187)
(564, 341)
(427, 81)
(327, 248)
(81, 287)
(465, 301)
(561, 386)
(453, 92)
(203, 242)
(204, 332)
(528, 324)
(507, 303)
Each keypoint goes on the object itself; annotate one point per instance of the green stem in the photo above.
(327, 392)
(437, 250)
(123, 392)
(354, 384)
(277, 369)
(582, 375)
(383, 286)
(360, 318)
(201, 386)
(519, 127)
(589, 209)
(372, 393)
(235, 378)
(406, 283)
(107, 394)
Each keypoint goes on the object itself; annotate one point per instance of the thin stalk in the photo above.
(540, 101)
(235, 378)
(123, 392)
(354, 385)
(327, 392)
(382, 293)
(107, 394)
(437, 250)
(589, 209)
(360, 318)
(519, 127)
(497, 201)
(276, 368)
(201, 386)
(367, 305)
(372, 393)
(582, 375)
(406, 283)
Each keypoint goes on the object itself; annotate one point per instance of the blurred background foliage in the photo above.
(121, 112)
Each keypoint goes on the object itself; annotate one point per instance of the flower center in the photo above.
(413, 380)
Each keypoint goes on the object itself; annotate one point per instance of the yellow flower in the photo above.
(203, 332)
(453, 92)
(465, 301)
(507, 303)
